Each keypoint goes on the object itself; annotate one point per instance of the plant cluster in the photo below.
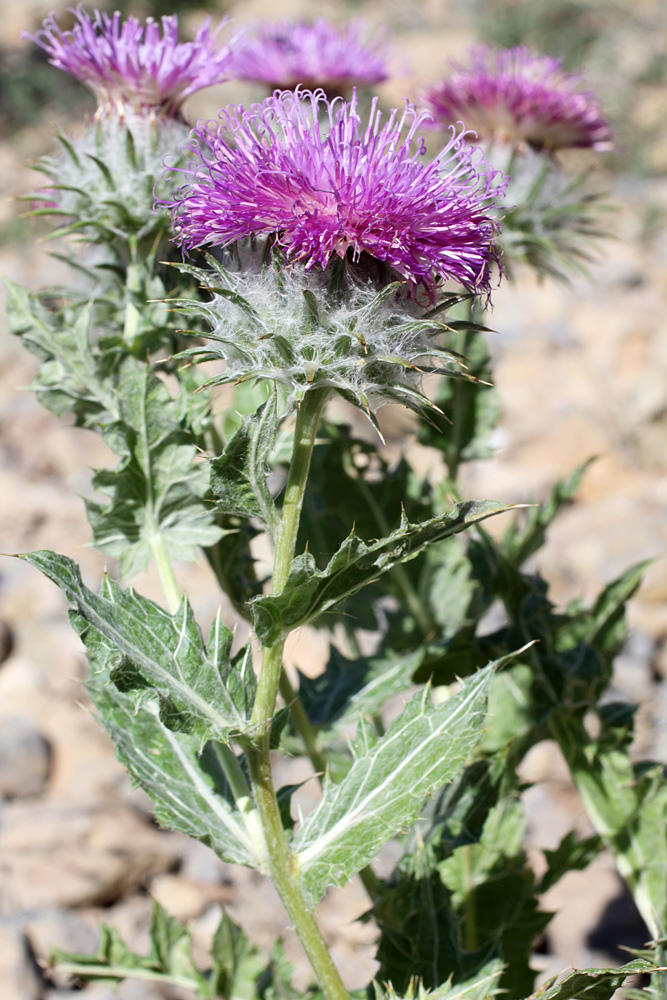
(314, 253)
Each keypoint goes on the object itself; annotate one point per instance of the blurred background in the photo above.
(581, 371)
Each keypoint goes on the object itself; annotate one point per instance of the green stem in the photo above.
(307, 422)
(283, 871)
(172, 591)
(282, 863)
(122, 972)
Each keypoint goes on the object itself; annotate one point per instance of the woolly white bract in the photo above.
(108, 178)
(328, 329)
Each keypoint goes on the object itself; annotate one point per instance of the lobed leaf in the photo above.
(201, 689)
(238, 476)
(156, 494)
(388, 783)
(309, 591)
(593, 984)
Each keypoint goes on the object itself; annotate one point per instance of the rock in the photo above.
(6, 641)
(19, 974)
(186, 898)
(65, 930)
(201, 864)
(61, 854)
(25, 758)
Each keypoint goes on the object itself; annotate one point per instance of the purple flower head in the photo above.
(129, 64)
(343, 189)
(516, 96)
(289, 53)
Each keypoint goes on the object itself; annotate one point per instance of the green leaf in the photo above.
(421, 941)
(524, 538)
(627, 806)
(168, 961)
(603, 626)
(188, 786)
(74, 377)
(493, 891)
(350, 688)
(275, 983)
(233, 563)
(571, 854)
(593, 984)
(201, 690)
(309, 591)
(238, 476)
(156, 495)
(237, 964)
(388, 783)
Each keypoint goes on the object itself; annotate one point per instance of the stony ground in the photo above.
(581, 371)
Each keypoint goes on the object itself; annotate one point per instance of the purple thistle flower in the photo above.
(519, 97)
(289, 53)
(130, 64)
(276, 170)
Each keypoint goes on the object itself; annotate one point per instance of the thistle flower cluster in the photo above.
(518, 97)
(288, 53)
(343, 189)
(130, 65)
(328, 329)
(552, 220)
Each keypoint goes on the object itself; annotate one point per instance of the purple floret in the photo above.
(516, 96)
(289, 53)
(129, 64)
(341, 188)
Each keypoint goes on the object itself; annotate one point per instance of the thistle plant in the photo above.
(288, 54)
(314, 254)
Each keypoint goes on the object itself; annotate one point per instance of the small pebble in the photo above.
(25, 758)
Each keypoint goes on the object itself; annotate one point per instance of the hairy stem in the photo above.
(307, 422)
(282, 863)
(283, 871)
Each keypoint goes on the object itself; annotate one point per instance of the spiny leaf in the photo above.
(169, 959)
(201, 691)
(237, 963)
(627, 806)
(156, 493)
(238, 476)
(593, 984)
(388, 783)
(188, 788)
(74, 377)
(309, 591)
(521, 540)
(350, 688)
